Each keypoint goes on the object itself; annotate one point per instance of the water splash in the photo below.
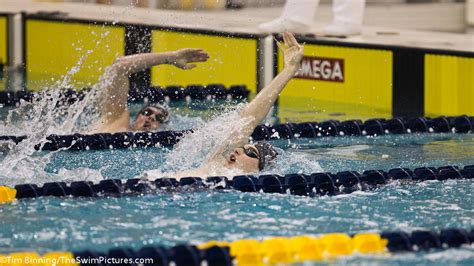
(197, 147)
(289, 160)
(50, 112)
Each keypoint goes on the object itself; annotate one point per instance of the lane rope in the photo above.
(268, 251)
(152, 94)
(330, 128)
(312, 185)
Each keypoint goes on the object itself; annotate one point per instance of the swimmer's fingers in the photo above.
(197, 55)
(190, 55)
(196, 51)
(291, 40)
(189, 52)
(294, 53)
(286, 39)
(281, 46)
(201, 57)
(189, 66)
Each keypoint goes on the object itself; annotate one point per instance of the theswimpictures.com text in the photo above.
(9, 260)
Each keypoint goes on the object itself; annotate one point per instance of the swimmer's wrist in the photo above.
(292, 68)
(171, 58)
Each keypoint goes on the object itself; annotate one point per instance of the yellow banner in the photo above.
(449, 85)
(3, 49)
(338, 81)
(232, 60)
(57, 51)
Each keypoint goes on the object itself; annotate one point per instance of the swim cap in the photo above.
(266, 154)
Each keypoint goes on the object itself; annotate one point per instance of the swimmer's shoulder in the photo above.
(117, 124)
(113, 127)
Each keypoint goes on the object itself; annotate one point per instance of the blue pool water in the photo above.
(169, 218)
(302, 155)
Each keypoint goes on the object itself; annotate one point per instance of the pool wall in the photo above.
(339, 76)
(54, 44)
(403, 81)
(52, 48)
(4, 47)
(235, 58)
(384, 79)
(449, 84)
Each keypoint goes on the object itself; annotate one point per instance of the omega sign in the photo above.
(319, 68)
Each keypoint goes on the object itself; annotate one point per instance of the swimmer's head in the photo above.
(151, 117)
(253, 158)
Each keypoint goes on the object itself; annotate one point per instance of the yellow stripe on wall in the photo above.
(3, 40)
(3, 47)
(54, 49)
(232, 60)
(449, 85)
(366, 90)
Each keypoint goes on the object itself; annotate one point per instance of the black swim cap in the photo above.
(266, 154)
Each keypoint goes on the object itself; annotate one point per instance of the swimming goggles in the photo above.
(159, 117)
(252, 153)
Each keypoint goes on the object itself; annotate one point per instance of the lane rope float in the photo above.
(152, 94)
(330, 128)
(312, 185)
(268, 251)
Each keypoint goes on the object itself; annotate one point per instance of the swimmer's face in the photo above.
(245, 158)
(149, 119)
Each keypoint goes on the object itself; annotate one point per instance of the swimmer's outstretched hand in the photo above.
(184, 57)
(292, 50)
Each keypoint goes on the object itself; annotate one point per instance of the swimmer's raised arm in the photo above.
(115, 115)
(180, 58)
(258, 109)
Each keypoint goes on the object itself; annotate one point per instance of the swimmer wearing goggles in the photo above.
(115, 115)
(244, 157)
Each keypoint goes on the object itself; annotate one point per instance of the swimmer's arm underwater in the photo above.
(257, 110)
(115, 115)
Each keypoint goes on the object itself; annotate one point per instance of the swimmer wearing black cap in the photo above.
(244, 157)
(247, 158)
(235, 153)
(115, 116)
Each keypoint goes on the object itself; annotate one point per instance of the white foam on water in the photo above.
(183, 122)
(287, 161)
(48, 113)
(197, 147)
(451, 255)
(349, 151)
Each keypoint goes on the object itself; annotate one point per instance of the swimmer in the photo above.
(245, 157)
(115, 116)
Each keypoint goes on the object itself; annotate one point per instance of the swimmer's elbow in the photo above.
(119, 60)
(119, 65)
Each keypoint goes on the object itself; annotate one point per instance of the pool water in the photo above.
(298, 156)
(170, 218)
